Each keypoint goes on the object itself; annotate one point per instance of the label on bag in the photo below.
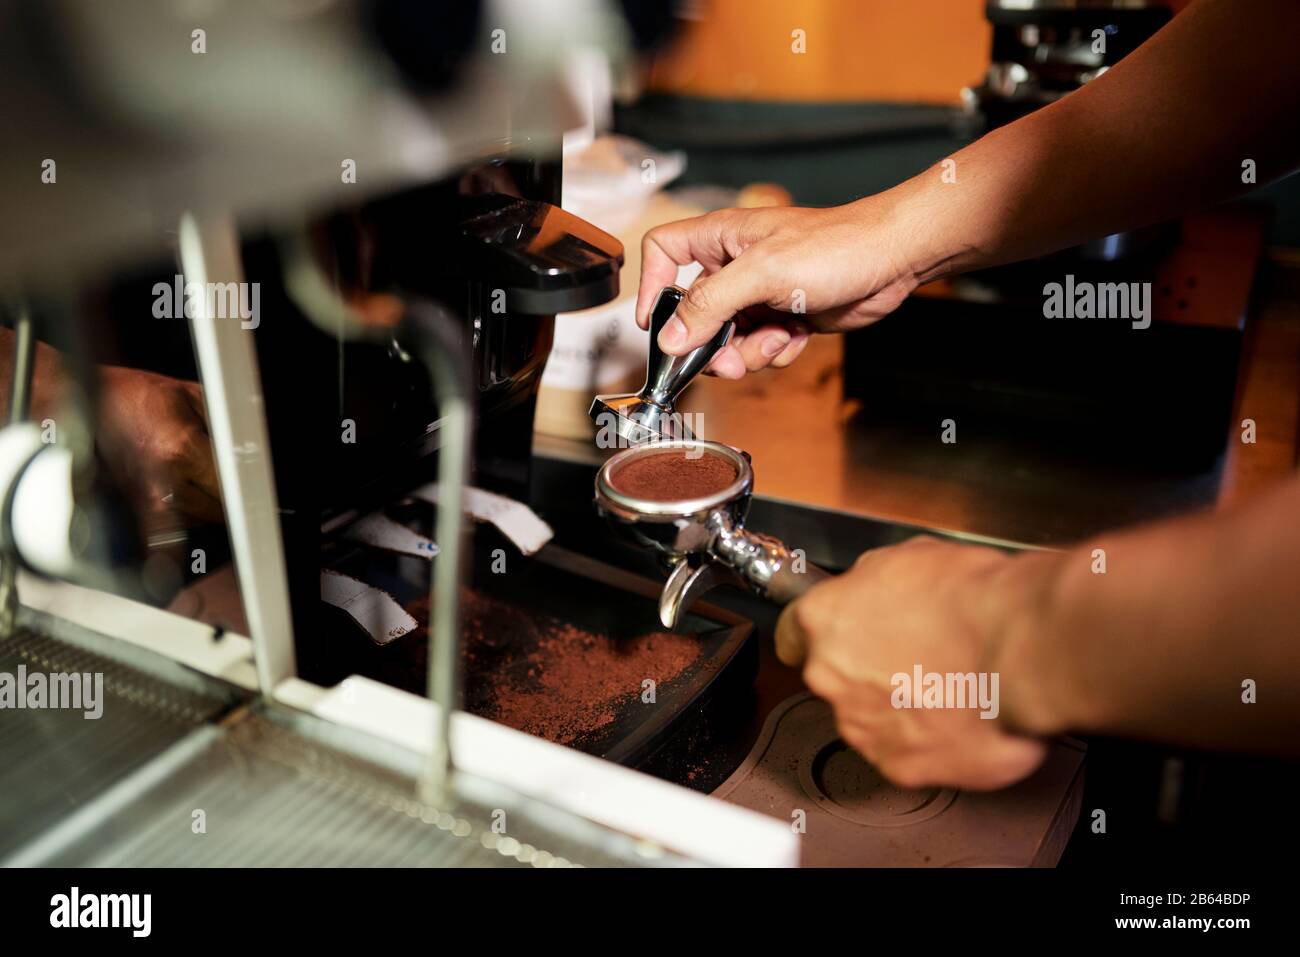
(380, 531)
(516, 521)
(376, 611)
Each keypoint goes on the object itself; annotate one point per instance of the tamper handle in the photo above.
(667, 376)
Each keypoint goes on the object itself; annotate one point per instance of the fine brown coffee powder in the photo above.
(550, 678)
(673, 475)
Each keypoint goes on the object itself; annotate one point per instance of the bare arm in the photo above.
(154, 425)
(1159, 646)
(1166, 130)
(46, 376)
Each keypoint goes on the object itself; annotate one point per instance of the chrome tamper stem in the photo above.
(651, 414)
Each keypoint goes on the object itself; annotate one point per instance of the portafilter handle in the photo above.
(738, 556)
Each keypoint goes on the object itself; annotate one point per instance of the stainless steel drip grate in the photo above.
(55, 760)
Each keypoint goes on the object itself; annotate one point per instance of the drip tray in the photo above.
(266, 791)
(560, 646)
(54, 760)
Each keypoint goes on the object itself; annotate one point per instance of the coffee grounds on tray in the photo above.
(672, 475)
(550, 678)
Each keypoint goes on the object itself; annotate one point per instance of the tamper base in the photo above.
(637, 421)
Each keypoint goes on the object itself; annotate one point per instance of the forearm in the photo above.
(1165, 130)
(47, 377)
(1160, 644)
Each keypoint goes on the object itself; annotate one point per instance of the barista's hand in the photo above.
(159, 426)
(927, 603)
(782, 272)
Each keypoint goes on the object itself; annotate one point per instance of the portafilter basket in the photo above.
(703, 540)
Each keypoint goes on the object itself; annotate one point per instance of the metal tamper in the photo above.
(649, 415)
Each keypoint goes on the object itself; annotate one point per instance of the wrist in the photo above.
(923, 222)
(1021, 632)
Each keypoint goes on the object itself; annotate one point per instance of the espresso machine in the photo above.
(1043, 49)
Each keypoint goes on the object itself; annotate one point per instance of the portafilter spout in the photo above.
(703, 539)
(650, 415)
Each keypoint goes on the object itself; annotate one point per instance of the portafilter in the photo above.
(702, 539)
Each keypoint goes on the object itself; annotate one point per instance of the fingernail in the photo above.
(773, 344)
(673, 335)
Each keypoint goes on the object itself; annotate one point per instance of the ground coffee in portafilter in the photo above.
(673, 475)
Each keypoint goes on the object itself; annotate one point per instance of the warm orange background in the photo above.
(915, 51)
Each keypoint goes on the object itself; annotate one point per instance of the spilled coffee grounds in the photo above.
(672, 475)
(552, 679)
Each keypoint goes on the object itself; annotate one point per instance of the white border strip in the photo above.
(173, 636)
